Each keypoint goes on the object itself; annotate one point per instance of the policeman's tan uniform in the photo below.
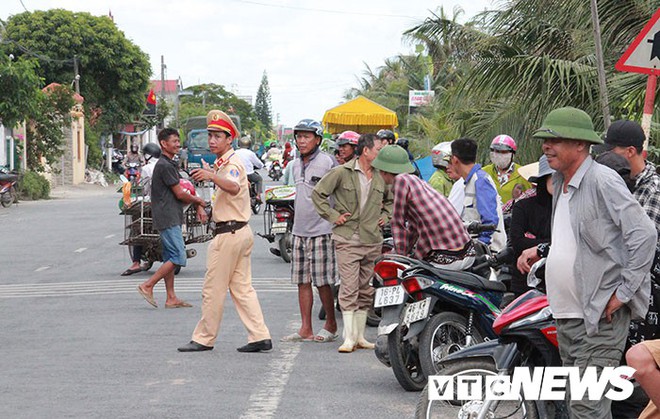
(228, 260)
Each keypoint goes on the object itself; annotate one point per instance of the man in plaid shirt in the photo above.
(626, 138)
(422, 219)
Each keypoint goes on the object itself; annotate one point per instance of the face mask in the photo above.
(501, 160)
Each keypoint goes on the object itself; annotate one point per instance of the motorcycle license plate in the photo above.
(278, 228)
(389, 296)
(417, 311)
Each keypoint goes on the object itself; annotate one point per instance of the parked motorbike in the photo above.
(278, 220)
(527, 337)
(429, 312)
(116, 161)
(8, 193)
(275, 172)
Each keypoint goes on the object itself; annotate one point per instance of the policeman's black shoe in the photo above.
(194, 347)
(259, 346)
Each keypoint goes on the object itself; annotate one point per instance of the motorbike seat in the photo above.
(467, 279)
(8, 177)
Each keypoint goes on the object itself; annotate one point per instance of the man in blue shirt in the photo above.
(482, 203)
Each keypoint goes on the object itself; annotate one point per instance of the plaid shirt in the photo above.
(647, 193)
(423, 217)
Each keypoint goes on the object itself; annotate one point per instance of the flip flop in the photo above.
(148, 298)
(180, 304)
(295, 337)
(325, 336)
(128, 272)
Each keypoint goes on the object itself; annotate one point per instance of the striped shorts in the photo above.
(313, 261)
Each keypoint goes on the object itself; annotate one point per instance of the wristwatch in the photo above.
(543, 249)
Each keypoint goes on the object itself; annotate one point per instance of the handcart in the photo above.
(138, 228)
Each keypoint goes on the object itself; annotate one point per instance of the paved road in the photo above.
(76, 340)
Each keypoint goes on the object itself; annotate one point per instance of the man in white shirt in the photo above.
(251, 162)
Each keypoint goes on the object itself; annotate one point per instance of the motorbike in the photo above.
(7, 187)
(255, 199)
(116, 160)
(275, 172)
(278, 220)
(133, 172)
(527, 336)
(429, 312)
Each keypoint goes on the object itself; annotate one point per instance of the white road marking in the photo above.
(125, 286)
(109, 236)
(43, 268)
(82, 249)
(265, 401)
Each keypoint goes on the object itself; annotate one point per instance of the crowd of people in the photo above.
(596, 220)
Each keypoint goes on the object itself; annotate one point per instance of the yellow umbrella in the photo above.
(361, 115)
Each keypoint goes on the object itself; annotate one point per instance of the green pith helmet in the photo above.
(569, 124)
(393, 159)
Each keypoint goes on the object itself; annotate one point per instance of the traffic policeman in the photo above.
(228, 260)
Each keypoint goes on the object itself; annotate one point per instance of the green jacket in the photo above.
(441, 182)
(343, 184)
(505, 191)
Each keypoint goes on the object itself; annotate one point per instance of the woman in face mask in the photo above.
(503, 170)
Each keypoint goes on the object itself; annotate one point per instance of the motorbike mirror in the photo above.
(123, 179)
(536, 274)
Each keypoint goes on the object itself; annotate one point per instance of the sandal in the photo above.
(295, 337)
(325, 336)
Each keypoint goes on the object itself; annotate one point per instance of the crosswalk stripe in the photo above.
(125, 286)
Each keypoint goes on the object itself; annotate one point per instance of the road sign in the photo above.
(643, 55)
(420, 97)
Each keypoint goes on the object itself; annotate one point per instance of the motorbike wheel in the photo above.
(286, 246)
(405, 360)
(444, 334)
(8, 198)
(373, 317)
(462, 408)
(256, 207)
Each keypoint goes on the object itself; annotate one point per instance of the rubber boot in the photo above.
(360, 319)
(349, 332)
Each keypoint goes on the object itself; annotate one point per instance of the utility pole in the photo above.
(604, 100)
(76, 75)
(161, 124)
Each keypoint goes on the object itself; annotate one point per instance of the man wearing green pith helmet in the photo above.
(597, 269)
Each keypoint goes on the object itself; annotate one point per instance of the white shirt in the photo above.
(559, 277)
(457, 196)
(147, 173)
(250, 160)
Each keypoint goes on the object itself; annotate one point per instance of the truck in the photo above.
(197, 140)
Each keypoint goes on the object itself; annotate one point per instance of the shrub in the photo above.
(34, 186)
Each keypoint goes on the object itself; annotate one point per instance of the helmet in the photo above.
(151, 150)
(386, 134)
(245, 142)
(309, 125)
(402, 142)
(503, 143)
(393, 159)
(187, 186)
(440, 154)
(272, 145)
(348, 137)
(569, 124)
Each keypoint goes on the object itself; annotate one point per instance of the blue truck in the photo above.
(197, 143)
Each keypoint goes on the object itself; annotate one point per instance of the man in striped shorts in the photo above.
(313, 259)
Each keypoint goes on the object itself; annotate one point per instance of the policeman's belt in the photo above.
(228, 227)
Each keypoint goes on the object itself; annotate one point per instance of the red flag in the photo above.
(151, 98)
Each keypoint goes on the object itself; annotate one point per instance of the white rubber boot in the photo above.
(349, 332)
(360, 319)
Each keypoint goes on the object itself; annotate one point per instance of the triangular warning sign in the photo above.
(643, 55)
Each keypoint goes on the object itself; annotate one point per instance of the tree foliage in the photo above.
(45, 127)
(206, 97)
(114, 72)
(262, 105)
(19, 84)
(506, 69)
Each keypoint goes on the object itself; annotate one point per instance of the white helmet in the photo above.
(440, 155)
